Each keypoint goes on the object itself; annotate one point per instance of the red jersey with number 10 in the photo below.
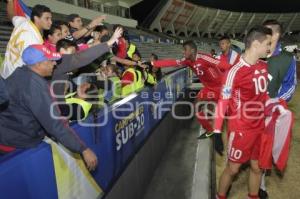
(243, 95)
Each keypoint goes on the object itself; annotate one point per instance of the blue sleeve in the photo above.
(288, 86)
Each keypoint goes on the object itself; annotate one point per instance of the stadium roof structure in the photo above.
(271, 6)
(183, 18)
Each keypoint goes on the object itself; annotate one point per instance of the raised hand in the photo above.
(97, 21)
(117, 34)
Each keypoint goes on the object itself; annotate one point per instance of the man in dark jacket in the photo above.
(282, 75)
(30, 114)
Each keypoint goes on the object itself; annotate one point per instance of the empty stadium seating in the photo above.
(5, 28)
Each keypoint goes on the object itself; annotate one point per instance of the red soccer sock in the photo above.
(204, 122)
(252, 196)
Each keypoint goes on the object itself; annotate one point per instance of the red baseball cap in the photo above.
(38, 53)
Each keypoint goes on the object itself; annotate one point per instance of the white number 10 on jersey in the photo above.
(260, 84)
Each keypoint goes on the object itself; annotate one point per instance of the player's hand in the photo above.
(90, 159)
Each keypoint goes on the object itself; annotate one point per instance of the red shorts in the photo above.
(206, 94)
(243, 146)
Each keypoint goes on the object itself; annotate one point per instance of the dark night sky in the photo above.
(141, 10)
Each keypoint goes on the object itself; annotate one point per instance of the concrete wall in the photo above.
(133, 183)
(65, 8)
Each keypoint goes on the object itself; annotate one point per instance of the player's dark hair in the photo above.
(225, 37)
(258, 33)
(191, 44)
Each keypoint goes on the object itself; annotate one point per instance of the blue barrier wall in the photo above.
(28, 174)
(122, 130)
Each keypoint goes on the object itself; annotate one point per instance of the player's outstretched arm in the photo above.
(167, 63)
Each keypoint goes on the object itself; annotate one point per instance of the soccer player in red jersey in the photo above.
(228, 55)
(243, 96)
(203, 65)
(208, 72)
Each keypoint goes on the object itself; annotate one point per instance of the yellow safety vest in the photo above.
(117, 88)
(131, 50)
(151, 79)
(86, 106)
(137, 83)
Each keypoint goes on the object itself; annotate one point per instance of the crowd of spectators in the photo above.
(59, 71)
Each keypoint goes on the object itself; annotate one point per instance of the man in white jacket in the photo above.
(26, 32)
